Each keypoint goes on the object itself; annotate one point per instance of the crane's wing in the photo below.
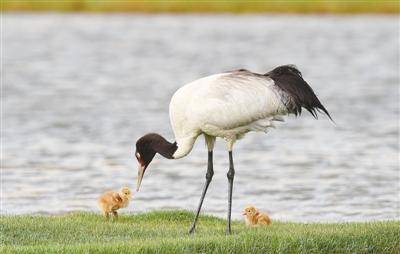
(295, 90)
(239, 98)
(235, 99)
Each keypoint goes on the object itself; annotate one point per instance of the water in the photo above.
(80, 89)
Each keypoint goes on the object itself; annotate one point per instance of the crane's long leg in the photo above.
(230, 175)
(209, 175)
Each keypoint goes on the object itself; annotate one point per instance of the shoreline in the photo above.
(222, 217)
(186, 6)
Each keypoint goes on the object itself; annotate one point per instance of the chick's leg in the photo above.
(115, 213)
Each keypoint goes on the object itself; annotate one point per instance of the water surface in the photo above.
(80, 89)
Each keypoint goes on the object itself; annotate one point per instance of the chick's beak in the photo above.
(141, 169)
(244, 213)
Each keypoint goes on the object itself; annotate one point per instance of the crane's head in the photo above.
(144, 154)
(147, 147)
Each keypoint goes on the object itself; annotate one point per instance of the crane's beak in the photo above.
(141, 169)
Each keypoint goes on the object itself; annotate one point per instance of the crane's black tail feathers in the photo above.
(297, 94)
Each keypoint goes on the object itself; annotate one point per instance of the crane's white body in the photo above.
(226, 105)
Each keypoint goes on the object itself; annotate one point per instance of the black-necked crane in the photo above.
(227, 105)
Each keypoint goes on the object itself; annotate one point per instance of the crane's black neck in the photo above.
(156, 143)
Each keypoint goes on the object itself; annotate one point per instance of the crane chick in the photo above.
(254, 217)
(111, 201)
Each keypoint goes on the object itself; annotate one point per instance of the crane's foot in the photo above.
(191, 230)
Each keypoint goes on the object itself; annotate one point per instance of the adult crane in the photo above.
(227, 105)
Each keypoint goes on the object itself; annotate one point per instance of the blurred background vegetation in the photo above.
(207, 6)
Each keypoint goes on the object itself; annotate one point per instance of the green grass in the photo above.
(166, 232)
(235, 6)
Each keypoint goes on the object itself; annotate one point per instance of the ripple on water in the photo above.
(70, 132)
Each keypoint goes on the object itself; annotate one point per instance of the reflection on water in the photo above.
(80, 89)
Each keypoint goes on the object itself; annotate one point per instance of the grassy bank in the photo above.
(166, 232)
(182, 6)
